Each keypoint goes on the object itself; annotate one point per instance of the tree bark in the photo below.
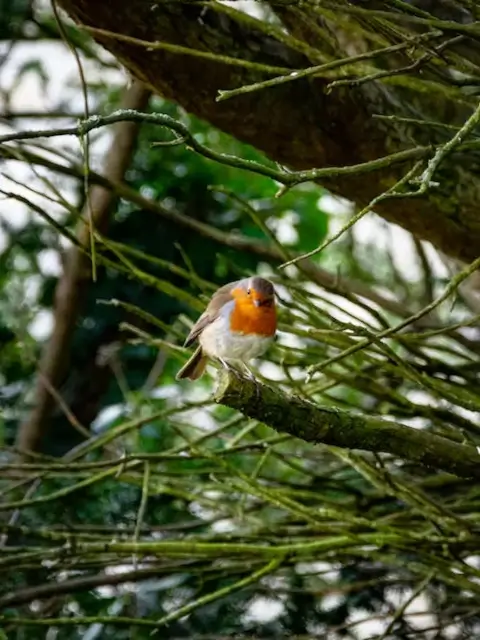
(298, 123)
(332, 426)
(71, 290)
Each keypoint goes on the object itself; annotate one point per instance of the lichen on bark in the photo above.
(287, 413)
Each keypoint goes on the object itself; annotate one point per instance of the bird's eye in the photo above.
(249, 291)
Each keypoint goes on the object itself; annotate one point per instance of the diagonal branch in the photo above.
(331, 426)
(73, 284)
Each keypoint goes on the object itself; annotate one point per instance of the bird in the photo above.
(238, 324)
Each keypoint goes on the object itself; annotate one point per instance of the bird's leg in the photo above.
(249, 374)
(236, 372)
(229, 367)
(252, 378)
(223, 363)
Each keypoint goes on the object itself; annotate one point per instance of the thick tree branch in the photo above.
(297, 123)
(73, 585)
(328, 425)
(73, 284)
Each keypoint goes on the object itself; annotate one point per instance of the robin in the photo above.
(238, 324)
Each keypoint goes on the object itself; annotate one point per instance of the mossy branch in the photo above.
(327, 425)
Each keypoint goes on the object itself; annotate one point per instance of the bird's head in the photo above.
(255, 291)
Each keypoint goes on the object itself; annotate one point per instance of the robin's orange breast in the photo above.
(249, 319)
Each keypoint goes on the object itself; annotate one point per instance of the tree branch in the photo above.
(334, 282)
(72, 286)
(73, 585)
(331, 426)
(298, 124)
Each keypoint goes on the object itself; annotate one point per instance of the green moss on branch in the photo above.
(326, 425)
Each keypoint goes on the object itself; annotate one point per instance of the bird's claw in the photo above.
(238, 374)
(252, 378)
(230, 368)
(250, 375)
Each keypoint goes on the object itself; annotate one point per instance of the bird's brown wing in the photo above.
(204, 320)
(219, 298)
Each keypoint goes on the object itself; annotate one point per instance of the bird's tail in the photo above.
(194, 367)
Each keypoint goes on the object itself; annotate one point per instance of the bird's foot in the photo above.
(253, 379)
(249, 374)
(238, 374)
(226, 365)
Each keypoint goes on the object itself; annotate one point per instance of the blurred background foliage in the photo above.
(156, 459)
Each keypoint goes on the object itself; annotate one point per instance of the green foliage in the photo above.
(349, 533)
(13, 15)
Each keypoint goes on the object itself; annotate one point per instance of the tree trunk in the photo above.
(70, 295)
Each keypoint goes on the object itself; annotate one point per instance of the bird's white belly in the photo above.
(218, 341)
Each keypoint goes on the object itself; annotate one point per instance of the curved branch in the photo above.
(331, 426)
